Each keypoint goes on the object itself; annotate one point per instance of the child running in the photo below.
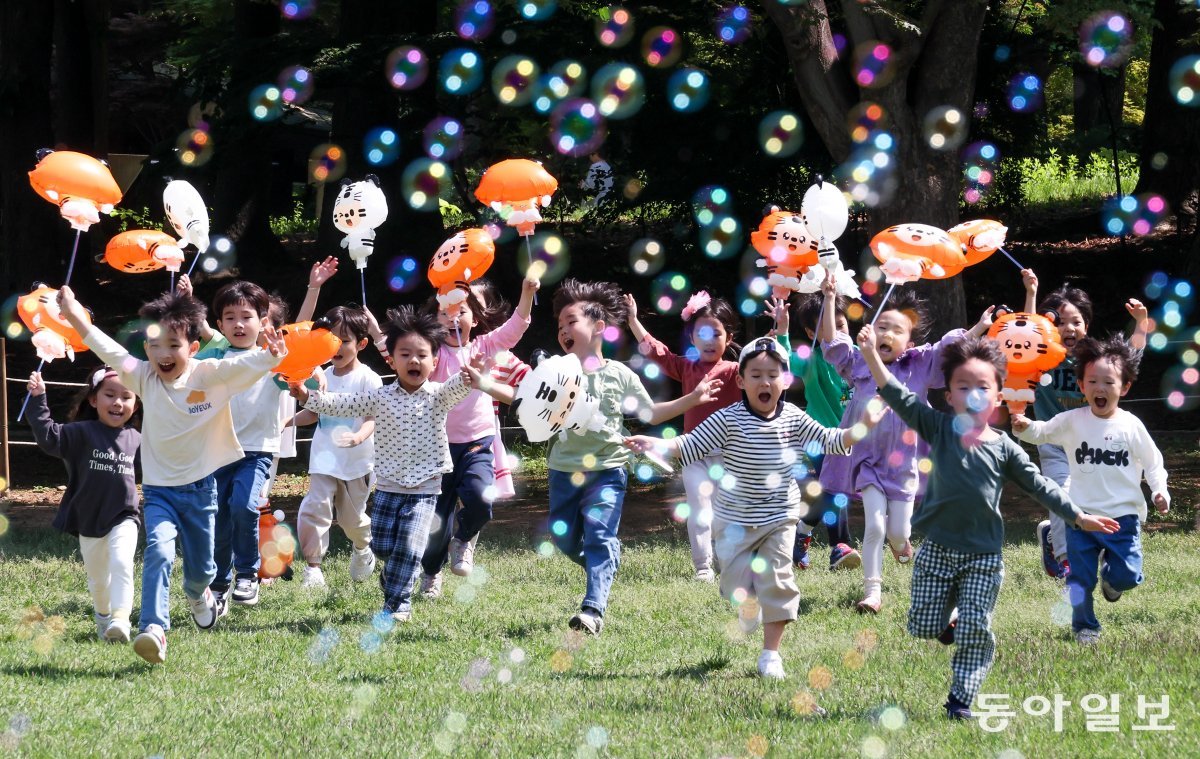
(709, 324)
(100, 506)
(883, 467)
(1110, 449)
(1062, 394)
(471, 430)
(341, 458)
(188, 433)
(960, 563)
(411, 446)
(826, 394)
(762, 441)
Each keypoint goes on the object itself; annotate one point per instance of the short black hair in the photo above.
(406, 320)
(603, 300)
(1073, 295)
(175, 313)
(1089, 350)
(808, 309)
(985, 349)
(277, 311)
(351, 317)
(241, 291)
(914, 307)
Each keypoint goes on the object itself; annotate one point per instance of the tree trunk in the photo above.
(1170, 160)
(935, 64)
(81, 75)
(27, 223)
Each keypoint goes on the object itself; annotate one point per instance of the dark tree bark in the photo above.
(81, 75)
(1170, 160)
(27, 223)
(935, 64)
(1099, 97)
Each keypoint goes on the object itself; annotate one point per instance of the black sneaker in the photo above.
(245, 591)
(956, 709)
(222, 599)
(1111, 594)
(946, 637)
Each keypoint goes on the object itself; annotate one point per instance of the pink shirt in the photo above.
(474, 418)
(689, 374)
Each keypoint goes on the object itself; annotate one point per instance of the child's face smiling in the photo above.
(763, 380)
(710, 338)
(466, 322)
(577, 332)
(347, 353)
(973, 390)
(1102, 387)
(241, 325)
(168, 352)
(414, 360)
(893, 334)
(1071, 326)
(114, 403)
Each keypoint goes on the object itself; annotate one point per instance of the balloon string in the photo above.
(457, 334)
(879, 310)
(71, 266)
(362, 276)
(1010, 258)
(194, 260)
(29, 395)
(529, 263)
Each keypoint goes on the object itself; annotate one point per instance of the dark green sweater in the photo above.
(961, 510)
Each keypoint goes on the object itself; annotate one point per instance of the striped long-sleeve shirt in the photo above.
(761, 457)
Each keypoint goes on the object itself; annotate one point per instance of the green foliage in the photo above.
(1055, 179)
(129, 218)
(297, 223)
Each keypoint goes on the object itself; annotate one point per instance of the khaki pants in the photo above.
(327, 494)
(773, 584)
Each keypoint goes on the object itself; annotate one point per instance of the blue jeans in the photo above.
(239, 491)
(1122, 566)
(583, 525)
(473, 473)
(185, 512)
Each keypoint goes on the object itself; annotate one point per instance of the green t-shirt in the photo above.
(621, 394)
(825, 392)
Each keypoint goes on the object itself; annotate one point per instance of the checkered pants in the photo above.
(943, 579)
(399, 532)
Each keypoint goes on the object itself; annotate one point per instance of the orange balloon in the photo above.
(143, 250)
(78, 184)
(276, 545)
(309, 345)
(1033, 346)
(979, 238)
(918, 247)
(516, 179)
(787, 247)
(462, 258)
(39, 311)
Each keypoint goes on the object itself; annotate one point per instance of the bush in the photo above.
(1058, 180)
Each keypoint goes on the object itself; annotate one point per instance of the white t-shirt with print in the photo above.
(325, 456)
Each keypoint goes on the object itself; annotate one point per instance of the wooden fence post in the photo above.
(5, 480)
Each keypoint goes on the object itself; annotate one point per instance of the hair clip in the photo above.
(695, 303)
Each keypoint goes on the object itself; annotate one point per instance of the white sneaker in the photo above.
(245, 591)
(431, 586)
(118, 631)
(770, 665)
(705, 575)
(313, 577)
(462, 556)
(151, 644)
(362, 563)
(587, 621)
(204, 610)
(102, 623)
(401, 617)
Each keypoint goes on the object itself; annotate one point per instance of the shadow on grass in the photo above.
(54, 672)
(702, 669)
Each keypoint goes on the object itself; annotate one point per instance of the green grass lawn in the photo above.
(490, 669)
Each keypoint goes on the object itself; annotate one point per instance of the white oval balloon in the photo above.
(825, 211)
(186, 213)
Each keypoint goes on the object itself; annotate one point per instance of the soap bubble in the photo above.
(297, 10)
(874, 64)
(865, 120)
(1025, 93)
(662, 46)
(576, 127)
(687, 90)
(423, 182)
(669, 292)
(536, 10)
(381, 146)
(194, 147)
(295, 84)
(733, 25)
(614, 28)
(647, 257)
(474, 19)
(1105, 39)
(945, 128)
(266, 102)
(406, 68)
(327, 163)
(513, 78)
(780, 133)
(461, 71)
(618, 90)
(1185, 80)
(443, 139)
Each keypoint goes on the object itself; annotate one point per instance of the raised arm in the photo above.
(1141, 323)
(866, 345)
(47, 432)
(184, 287)
(985, 322)
(529, 288)
(322, 272)
(1030, 280)
(635, 326)
(706, 391)
(827, 327)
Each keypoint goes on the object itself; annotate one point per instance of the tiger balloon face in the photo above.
(919, 235)
(784, 240)
(1030, 342)
(462, 258)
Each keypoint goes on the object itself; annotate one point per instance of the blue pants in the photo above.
(584, 517)
(473, 473)
(1122, 566)
(185, 512)
(399, 532)
(239, 491)
(943, 579)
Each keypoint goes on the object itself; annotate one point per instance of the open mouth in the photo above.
(764, 398)
(414, 373)
(568, 343)
(167, 368)
(1100, 402)
(1017, 355)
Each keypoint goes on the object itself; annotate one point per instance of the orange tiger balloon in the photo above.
(53, 335)
(460, 260)
(787, 248)
(309, 344)
(143, 250)
(908, 252)
(1032, 345)
(979, 238)
(81, 186)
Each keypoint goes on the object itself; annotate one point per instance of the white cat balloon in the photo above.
(187, 214)
(360, 208)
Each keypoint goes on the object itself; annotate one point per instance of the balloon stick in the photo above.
(29, 395)
(194, 260)
(879, 310)
(1010, 258)
(529, 263)
(362, 277)
(71, 265)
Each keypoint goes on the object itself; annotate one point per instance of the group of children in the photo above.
(759, 473)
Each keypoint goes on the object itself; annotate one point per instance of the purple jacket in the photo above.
(887, 457)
